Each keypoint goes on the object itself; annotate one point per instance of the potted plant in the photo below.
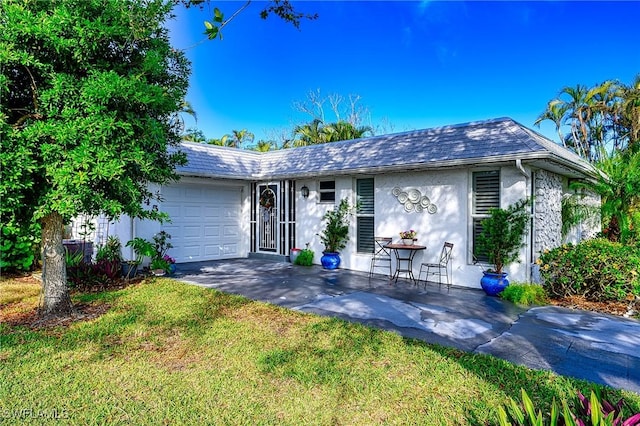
(171, 262)
(500, 241)
(335, 234)
(408, 237)
(141, 249)
(161, 262)
(159, 266)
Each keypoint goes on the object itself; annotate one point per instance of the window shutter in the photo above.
(365, 234)
(477, 229)
(365, 196)
(486, 191)
(365, 215)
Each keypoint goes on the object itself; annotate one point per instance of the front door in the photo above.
(267, 217)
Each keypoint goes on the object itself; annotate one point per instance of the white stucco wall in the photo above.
(449, 190)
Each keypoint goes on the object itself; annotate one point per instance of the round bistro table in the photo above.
(404, 259)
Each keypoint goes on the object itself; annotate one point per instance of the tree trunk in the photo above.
(56, 300)
(613, 230)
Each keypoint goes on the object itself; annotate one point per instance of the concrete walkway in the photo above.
(596, 347)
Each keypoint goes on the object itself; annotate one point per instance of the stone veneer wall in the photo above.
(548, 211)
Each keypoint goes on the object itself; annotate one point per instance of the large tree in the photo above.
(89, 96)
(597, 121)
(90, 91)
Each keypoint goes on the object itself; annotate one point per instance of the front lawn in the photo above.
(171, 353)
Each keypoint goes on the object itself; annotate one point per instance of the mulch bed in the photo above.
(626, 309)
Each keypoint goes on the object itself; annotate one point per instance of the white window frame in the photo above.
(327, 191)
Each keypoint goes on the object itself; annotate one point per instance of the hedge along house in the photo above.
(440, 182)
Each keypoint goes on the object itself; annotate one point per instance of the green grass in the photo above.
(171, 353)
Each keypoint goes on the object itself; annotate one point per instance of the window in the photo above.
(486, 195)
(327, 191)
(365, 215)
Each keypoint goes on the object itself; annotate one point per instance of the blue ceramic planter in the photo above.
(493, 283)
(330, 260)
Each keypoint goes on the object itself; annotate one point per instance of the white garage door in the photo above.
(205, 221)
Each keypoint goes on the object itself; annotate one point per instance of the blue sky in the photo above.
(415, 64)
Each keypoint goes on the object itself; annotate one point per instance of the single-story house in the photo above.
(233, 203)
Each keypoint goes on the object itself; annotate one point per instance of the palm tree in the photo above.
(309, 134)
(263, 146)
(223, 141)
(317, 132)
(604, 116)
(629, 113)
(619, 190)
(193, 135)
(343, 130)
(238, 137)
(555, 112)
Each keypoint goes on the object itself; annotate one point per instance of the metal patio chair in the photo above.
(382, 255)
(437, 268)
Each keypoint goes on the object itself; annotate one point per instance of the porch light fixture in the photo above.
(304, 191)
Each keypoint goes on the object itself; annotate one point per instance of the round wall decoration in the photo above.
(413, 200)
(414, 195)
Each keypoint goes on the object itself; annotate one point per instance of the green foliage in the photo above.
(502, 234)
(575, 211)
(73, 258)
(93, 87)
(161, 244)
(318, 132)
(141, 248)
(281, 8)
(592, 120)
(19, 246)
(619, 189)
(524, 294)
(336, 232)
(212, 30)
(597, 269)
(82, 275)
(89, 113)
(305, 258)
(593, 411)
(159, 263)
(111, 250)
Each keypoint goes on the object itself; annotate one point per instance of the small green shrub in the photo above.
(597, 269)
(19, 245)
(524, 294)
(593, 411)
(305, 258)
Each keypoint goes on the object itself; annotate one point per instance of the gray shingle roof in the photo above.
(483, 142)
(219, 162)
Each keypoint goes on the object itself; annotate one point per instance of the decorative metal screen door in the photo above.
(267, 218)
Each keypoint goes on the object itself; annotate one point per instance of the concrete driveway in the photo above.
(596, 347)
